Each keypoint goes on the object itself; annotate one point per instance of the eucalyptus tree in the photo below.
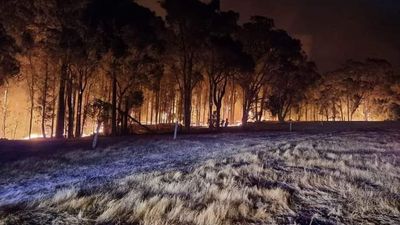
(257, 37)
(189, 23)
(223, 61)
(288, 87)
(128, 35)
(359, 83)
(9, 65)
(281, 71)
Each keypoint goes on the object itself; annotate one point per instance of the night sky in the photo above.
(331, 30)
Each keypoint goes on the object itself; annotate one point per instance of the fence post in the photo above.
(176, 129)
(96, 136)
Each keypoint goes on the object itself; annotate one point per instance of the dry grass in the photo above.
(345, 179)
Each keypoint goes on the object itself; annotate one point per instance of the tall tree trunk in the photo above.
(53, 111)
(218, 94)
(348, 108)
(148, 110)
(205, 111)
(158, 106)
(255, 109)
(44, 100)
(366, 111)
(341, 111)
(114, 105)
(60, 122)
(5, 109)
(314, 113)
(32, 99)
(78, 125)
(245, 107)
(262, 106)
(218, 116)
(233, 102)
(125, 118)
(306, 111)
(210, 107)
(78, 129)
(281, 117)
(246, 110)
(31, 116)
(31, 95)
(153, 118)
(71, 111)
(187, 108)
(15, 129)
(85, 111)
(173, 108)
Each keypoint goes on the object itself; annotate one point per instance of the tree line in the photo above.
(104, 61)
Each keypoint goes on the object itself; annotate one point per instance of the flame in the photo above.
(33, 136)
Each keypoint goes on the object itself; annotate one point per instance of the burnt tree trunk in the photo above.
(79, 106)
(53, 110)
(219, 93)
(60, 121)
(210, 107)
(187, 108)
(246, 107)
(71, 111)
(44, 100)
(114, 105)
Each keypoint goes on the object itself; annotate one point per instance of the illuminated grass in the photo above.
(344, 179)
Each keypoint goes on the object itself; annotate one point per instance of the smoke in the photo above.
(332, 31)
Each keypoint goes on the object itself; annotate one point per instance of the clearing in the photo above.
(331, 177)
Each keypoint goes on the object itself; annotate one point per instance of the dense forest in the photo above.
(113, 64)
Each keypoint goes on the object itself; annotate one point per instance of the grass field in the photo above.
(342, 177)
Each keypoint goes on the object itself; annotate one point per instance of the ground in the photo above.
(319, 175)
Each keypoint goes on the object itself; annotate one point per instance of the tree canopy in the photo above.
(198, 66)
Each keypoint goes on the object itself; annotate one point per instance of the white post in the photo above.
(176, 129)
(96, 136)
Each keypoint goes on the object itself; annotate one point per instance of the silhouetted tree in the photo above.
(280, 65)
(126, 30)
(189, 24)
(9, 65)
(223, 57)
(289, 86)
(355, 84)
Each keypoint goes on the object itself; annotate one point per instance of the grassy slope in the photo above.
(346, 178)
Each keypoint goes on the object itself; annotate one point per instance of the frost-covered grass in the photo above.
(279, 178)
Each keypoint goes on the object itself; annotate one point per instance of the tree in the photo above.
(126, 31)
(188, 22)
(9, 65)
(83, 66)
(224, 59)
(64, 41)
(289, 86)
(47, 21)
(256, 38)
(30, 51)
(358, 84)
(279, 66)
(376, 81)
(46, 96)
